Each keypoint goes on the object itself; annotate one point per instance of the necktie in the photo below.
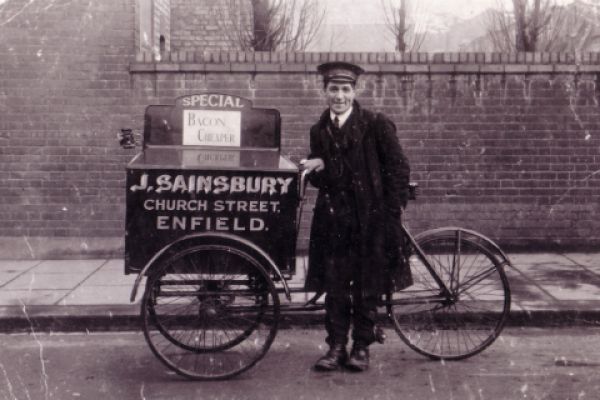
(336, 122)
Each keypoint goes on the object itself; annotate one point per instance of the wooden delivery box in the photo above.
(211, 163)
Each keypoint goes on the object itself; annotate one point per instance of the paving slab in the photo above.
(519, 259)
(31, 297)
(108, 277)
(547, 289)
(68, 266)
(524, 288)
(33, 280)
(116, 265)
(17, 265)
(572, 290)
(589, 260)
(89, 295)
(6, 277)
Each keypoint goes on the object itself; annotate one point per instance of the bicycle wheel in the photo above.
(462, 323)
(210, 312)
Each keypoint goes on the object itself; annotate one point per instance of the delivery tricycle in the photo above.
(212, 218)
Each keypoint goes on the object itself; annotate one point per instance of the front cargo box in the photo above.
(211, 163)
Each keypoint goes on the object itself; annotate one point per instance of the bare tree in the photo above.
(270, 25)
(532, 25)
(409, 36)
(581, 28)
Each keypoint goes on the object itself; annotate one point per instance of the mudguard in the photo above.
(480, 239)
(221, 238)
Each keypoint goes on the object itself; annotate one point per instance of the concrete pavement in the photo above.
(93, 294)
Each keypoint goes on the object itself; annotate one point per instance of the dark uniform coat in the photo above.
(380, 177)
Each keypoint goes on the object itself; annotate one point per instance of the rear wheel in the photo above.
(210, 311)
(464, 321)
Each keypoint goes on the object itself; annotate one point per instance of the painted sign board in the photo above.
(212, 120)
(201, 171)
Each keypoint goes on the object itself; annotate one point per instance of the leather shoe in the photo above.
(334, 359)
(359, 358)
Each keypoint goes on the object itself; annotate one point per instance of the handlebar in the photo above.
(303, 183)
(413, 190)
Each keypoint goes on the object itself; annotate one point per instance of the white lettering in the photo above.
(237, 226)
(149, 204)
(222, 184)
(161, 222)
(196, 222)
(179, 184)
(212, 100)
(222, 224)
(257, 224)
(285, 184)
(164, 222)
(216, 184)
(219, 206)
(238, 184)
(143, 184)
(164, 183)
(268, 185)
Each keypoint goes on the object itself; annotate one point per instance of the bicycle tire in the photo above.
(210, 312)
(461, 325)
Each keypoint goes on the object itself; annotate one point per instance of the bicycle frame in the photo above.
(447, 295)
(423, 257)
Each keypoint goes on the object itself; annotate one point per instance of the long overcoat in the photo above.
(380, 177)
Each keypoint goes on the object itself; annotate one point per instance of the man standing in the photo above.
(362, 176)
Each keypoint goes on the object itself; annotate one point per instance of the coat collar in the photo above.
(355, 123)
(325, 116)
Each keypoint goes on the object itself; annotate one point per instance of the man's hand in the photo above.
(314, 164)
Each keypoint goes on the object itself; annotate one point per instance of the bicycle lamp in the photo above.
(126, 139)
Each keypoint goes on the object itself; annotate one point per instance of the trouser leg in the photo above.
(337, 318)
(345, 304)
(364, 316)
(364, 310)
(338, 303)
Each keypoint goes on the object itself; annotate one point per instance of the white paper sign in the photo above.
(212, 128)
(212, 158)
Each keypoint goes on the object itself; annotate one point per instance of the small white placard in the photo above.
(212, 128)
(211, 158)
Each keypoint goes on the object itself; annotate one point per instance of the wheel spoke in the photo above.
(471, 282)
(211, 313)
(472, 315)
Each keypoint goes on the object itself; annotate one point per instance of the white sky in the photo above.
(369, 11)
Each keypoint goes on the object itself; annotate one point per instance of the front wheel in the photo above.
(466, 319)
(210, 311)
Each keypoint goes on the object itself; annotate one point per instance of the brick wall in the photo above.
(505, 144)
(508, 145)
(65, 90)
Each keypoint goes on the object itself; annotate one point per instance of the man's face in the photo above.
(339, 96)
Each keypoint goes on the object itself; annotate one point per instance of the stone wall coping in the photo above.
(398, 63)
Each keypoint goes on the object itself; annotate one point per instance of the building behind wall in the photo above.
(153, 30)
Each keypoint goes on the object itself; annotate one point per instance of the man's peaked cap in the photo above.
(340, 71)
